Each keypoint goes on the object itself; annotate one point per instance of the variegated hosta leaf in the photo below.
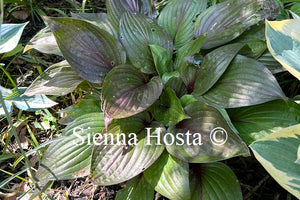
(137, 32)
(90, 51)
(127, 92)
(116, 8)
(205, 137)
(225, 21)
(136, 189)
(178, 18)
(70, 157)
(277, 153)
(213, 66)
(44, 41)
(170, 177)
(29, 103)
(257, 122)
(211, 181)
(10, 35)
(246, 82)
(128, 152)
(58, 79)
(283, 40)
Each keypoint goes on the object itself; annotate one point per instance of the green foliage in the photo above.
(180, 90)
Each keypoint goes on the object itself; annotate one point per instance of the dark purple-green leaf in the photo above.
(126, 91)
(245, 82)
(116, 8)
(90, 51)
(225, 21)
(137, 32)
(207, 136)
(178, 18)
(213, 66)
(119, 160)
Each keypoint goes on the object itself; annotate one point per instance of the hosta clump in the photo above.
(174, 83)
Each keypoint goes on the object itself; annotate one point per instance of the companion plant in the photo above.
(171, 89)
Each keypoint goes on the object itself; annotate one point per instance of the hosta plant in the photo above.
(172, 90)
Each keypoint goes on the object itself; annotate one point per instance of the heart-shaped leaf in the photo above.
(245, 82)
(257, 122)
(278, 153)
(212, 181)
(125, 150)
(225, 21)
(213, 66)
(178, 18)
(137, 32)
(168, 109)
(136, 189)
(90, 51)
(170, 177)
(58, 79)
(70, 157)
(283, 40)
(126, 92)
(10, 35)
(205, 137)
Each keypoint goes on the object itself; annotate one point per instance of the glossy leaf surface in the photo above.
(225, 21)
(245, 82)
(170, 177)
(123, 159)
(213, 66)
(126, 92)
(259, 121)
(207, 136)
(137, 32)
(178, 18)
(90, 51)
